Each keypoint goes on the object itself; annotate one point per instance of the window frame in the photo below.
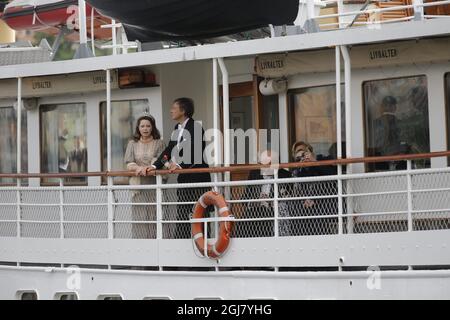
(103, 144)
(111, 296)
(20, 293)
(364, 111)
(24, 147)
(59, 295)
(291, 122)
(43, 181)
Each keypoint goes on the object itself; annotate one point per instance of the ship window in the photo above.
(110, 297)
(8, 142)
(314, 119)
(27, 295)
(269, 115)
(396, 120)
(447, 101)
(66, 296)
(64, 140)
(124, 115)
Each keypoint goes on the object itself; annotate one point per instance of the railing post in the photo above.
(311, 24)
(61, 208)
(205, 238)
(110, 209)
(340, 8)
(276, 209)
(418, 9)
(159, 208)
(19, 211)
(114, 37)
(216, 210)
(19, 152)
(340, 201)
(410, 200)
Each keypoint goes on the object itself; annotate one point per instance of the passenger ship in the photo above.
(383, 227)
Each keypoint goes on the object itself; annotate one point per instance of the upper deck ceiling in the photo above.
(354, 36)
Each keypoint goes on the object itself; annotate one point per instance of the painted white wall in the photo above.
(188, 79)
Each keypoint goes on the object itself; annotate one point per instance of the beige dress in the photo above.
(139, 154)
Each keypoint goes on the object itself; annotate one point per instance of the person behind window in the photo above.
(263, 209)
(387, 135)
(185, 151)
(63, 154)
(304, 152)
(140, 154)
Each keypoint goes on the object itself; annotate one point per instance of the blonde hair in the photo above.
(298, 144)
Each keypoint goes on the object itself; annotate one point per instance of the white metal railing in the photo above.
(400, 201)
(417, 6)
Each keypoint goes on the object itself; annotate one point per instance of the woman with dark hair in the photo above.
(141, 153)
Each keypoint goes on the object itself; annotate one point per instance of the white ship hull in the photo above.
(138, 285)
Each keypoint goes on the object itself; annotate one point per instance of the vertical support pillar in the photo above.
(418, 10)
(311, 24)
(216, 120)
(284, 125)
(348, 130)
(339, 138)
(226, 123)
(216, 126)
(108, 155)
(19, 153)
(83, 50)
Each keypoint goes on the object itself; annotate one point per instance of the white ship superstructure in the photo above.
(382, 230)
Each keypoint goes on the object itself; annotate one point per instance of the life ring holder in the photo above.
(217, 249)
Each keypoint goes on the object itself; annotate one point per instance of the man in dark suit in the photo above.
(185, 151)
(386, 133)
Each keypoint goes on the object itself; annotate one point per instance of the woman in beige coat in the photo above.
(141, 152)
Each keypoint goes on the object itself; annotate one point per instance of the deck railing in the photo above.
(378, 12)
(392, 201)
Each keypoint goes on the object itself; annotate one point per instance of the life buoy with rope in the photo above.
(217, 249)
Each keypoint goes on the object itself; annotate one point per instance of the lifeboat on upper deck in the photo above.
(44, 15)
(160, 20)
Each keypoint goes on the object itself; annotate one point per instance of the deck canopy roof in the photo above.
(309, 41)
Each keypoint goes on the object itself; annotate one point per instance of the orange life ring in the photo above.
(217, 249)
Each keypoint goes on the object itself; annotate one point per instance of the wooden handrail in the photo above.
(237, 168)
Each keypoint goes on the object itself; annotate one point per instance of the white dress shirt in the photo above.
(181, 127)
